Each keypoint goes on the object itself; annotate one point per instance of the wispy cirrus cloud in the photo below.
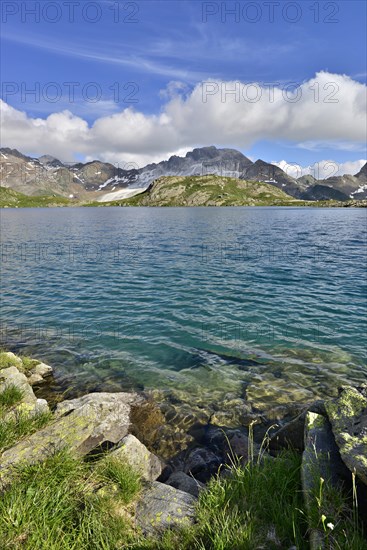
(174, 57)
(136, 60)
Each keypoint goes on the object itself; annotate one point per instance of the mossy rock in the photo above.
(163, 507)
(348, 417)
(80, 425)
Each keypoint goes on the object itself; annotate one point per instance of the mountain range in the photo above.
(104, 181)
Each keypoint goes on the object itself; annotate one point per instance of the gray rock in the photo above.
(202, 464)
(163, 507)
(291, 435)
(41, 407)
(112, 409)
(232, 444)
(183, 482)
(131, 451)
(348, 416)
(29, 404)
(320, 458)
(240, 446)
(80, 425)
(12, 377)
(35, 379)
(41, 369)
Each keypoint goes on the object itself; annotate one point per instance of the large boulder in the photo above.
(131, 451)
(112, 411)
(348, 416)
(319, 445)
(163, 507)
(320, 461)
(80, 425)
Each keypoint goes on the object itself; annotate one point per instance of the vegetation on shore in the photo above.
(213, 190)
(67, 503)
(183, 191)
(73, 503)
(14, 199)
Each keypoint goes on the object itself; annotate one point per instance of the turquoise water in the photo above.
(259, 304)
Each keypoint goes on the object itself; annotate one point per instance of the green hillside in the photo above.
(209, 191)
(13, 199)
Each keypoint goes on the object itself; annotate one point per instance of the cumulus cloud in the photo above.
(329, 108)
(322, 169)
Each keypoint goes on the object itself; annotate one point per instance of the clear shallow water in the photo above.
(212, 304)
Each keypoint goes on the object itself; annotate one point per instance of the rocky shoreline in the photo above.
(331, 435)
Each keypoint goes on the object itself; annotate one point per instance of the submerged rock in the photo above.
(348, 416)
(272, 390)
(131, 451)
(163, 507)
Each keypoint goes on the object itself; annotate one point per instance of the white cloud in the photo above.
(322, 169)
(329, 109)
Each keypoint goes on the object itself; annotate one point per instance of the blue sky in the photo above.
(135, 50)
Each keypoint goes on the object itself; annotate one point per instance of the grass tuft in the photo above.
(123, 475)
(10, 396)
(20, 425)
(55, 506)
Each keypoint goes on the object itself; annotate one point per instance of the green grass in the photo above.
(214, 191)
(27, 363)
(66, 503)
(9, 397)
(20, 425)
(56, 506)
(257, 506)
(122, 475)
(333, 515)
(5, 361)
(14, 199)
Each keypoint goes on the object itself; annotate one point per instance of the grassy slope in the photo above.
(213, 191)
(13, 199)
(208, 191)
(183, 191)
